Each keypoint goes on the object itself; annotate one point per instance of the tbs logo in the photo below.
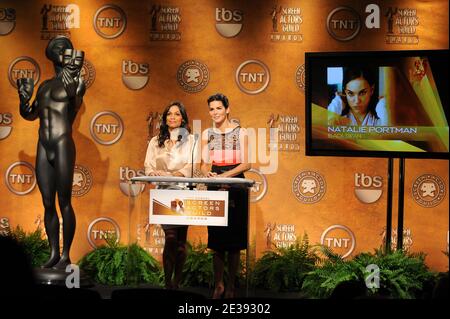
(134, 75)
(368, 189)
(229, 22)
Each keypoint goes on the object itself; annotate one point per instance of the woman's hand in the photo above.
(211, 174)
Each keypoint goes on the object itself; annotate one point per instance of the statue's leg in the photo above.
(45, 175)
(64, 167)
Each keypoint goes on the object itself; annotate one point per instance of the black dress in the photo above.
(233, 236)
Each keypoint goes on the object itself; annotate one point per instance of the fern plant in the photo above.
(402, 275)
(35, 246)
(114, 264)
(198, 268)
(285, 268)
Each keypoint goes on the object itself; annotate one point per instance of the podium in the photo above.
(139, 204)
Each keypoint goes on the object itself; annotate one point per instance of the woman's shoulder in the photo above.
(153, 140)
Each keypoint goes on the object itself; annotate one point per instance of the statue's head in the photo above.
(72, 61)
(56, 47)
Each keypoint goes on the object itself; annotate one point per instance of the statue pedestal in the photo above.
(50, 276)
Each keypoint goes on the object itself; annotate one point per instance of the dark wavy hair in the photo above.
(355, 72)
(219, 97)
(164, 133)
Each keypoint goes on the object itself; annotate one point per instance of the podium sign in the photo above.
(188, 207)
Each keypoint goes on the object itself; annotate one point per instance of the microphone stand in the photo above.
(191, 185)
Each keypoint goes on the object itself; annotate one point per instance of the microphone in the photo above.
(196, 136)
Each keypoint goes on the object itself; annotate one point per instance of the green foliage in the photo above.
(198, 268)
(35, 246)
(402, 274)
(285, 268)
(114, 264)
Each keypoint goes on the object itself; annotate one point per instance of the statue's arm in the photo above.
(28, 111)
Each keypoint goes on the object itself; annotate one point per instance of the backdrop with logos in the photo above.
(142, 55)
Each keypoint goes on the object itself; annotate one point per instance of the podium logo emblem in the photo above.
(110, 21)
(229, 22)
(252, 77)
(20, 178)
(309, 187)
(134, 75)
(106, 128)
(23, 67)
(5, 125)
(340, 239)
(193, 76)
(428, 190)
(7, 20)
(82, 181)
(101, 229)
(88, 73)
(368, 189)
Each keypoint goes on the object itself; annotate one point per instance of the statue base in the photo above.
(50, 276)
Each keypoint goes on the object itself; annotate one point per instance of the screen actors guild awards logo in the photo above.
(5, 226)
(229, 22)
(153, 124)
(165, 23)
(58, 19)
(82, 181)
(23, 67)
(7, 20)
(87, 73)
(106, 128)
(252, 77)
(134, 75)
(407, 238)
(286, 24)
(402, 26)
(309, 187)
(428, 190)
(193, 76)
(6, 120)
(20, 178)
(110, 21)
(288, 129)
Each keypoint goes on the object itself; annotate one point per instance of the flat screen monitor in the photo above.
(377, 104)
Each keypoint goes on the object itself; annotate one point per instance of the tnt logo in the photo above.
(7, 20)
(5, 125)
(23, 67)
(20, 178)
(229, 22)
(106, 128)
(101, 229)
(368, 189)
(344, 23)
(252, 77)
(134, 75)
(340, 239)
(110, 21)
(126, 174)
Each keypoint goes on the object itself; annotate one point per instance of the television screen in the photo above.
(382, 104)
